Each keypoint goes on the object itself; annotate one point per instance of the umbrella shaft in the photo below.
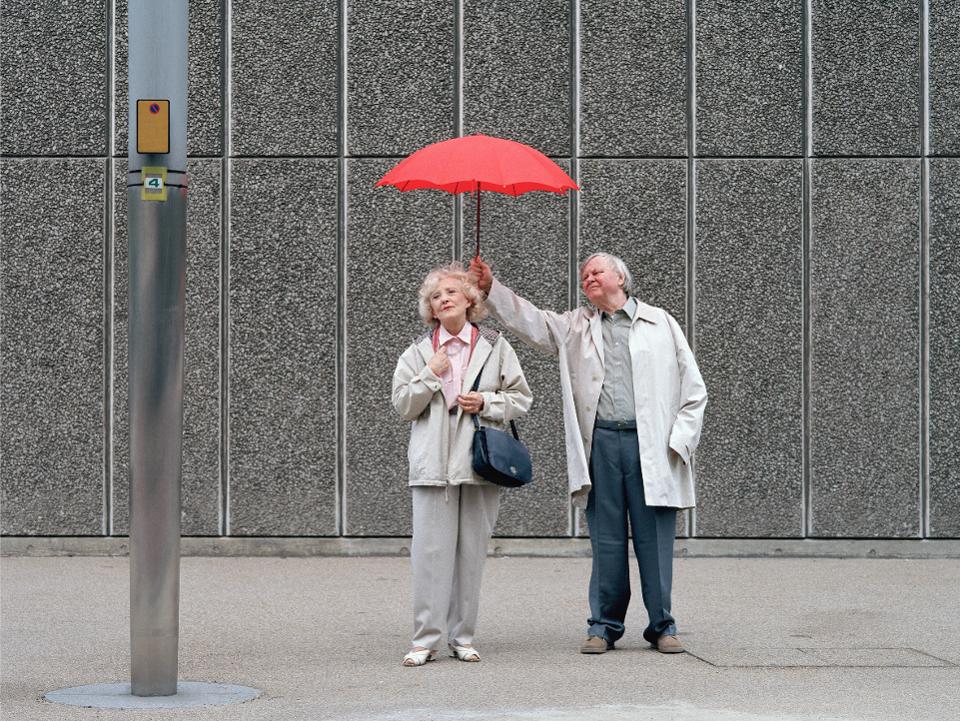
(478, 220)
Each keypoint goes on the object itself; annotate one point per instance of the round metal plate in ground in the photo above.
(190, 694)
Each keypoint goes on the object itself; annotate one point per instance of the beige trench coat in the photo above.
(669, 393)
(436, 459)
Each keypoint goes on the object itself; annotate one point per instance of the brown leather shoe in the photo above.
(669, 644)
(596, 644)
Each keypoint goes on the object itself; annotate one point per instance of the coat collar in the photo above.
(479, 357)
(641, 311)
(646, 312)
(596, 332)
(485, 341)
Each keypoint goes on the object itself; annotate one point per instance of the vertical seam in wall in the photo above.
(574, 200)
(807, 25)
(574, 283)
(925, 78)
(925, 269)
(456, 244)
(226, 192)
(340, 370)
(924, 347)
(108, 242)
(458, 67)
(111, 75)
(225, 212)
(341, 341)
(107, 519)
(458, 118)
(806, 232)
(691, 220)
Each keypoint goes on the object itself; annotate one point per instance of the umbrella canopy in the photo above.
(481, 162)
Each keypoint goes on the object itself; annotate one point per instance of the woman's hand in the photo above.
(471, 402)
(439, 363)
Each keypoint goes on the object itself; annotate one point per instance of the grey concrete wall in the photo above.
(781, 176)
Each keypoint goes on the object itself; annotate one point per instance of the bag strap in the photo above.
(476, 421)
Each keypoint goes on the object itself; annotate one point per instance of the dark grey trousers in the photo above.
(617, 495)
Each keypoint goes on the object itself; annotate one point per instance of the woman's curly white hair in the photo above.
(477, 310)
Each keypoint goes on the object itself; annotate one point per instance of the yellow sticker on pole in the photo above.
(154, 183)
(153, 126)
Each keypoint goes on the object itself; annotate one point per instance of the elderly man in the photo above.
(633, 402)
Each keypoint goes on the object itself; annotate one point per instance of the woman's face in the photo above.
(449, 304)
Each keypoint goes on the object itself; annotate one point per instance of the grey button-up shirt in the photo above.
(616, 395)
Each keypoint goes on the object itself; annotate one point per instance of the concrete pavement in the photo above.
(770, 638)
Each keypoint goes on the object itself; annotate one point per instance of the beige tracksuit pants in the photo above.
(451, 527)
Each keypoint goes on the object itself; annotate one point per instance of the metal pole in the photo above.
(157, 203)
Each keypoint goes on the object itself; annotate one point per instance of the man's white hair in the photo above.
(616, 265)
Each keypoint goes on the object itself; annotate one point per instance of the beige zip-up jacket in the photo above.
(418, 397)
(669, 393)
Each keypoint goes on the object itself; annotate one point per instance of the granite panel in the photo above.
(53, 67)
(944, 349)
(750, 78)
(944, 74)
(866, 77)
(284, 75)
(527, 241)
(393, 240)
(204, 78)
(51, 347)
(637, 209)
(200, 475)
(283, 349)
(865, 345)
(749, 321)
(633, 77)
(516, 71)
(399, 77)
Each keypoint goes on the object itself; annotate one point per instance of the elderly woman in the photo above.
(454, 509)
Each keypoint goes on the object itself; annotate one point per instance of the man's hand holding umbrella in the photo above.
(481, 274)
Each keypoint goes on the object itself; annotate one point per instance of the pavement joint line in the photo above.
(606, 712)
(714, 657)
(353, 547)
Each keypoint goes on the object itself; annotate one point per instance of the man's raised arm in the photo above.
(535, 327)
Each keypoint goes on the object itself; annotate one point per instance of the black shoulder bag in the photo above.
(497, 456)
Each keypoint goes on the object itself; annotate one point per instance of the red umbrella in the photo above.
(475, 163)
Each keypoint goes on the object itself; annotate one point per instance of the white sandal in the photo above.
(419, 658)
(464, 653)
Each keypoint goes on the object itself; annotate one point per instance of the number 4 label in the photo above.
(154, 187)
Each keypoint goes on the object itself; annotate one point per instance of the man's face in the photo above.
(601, 283)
